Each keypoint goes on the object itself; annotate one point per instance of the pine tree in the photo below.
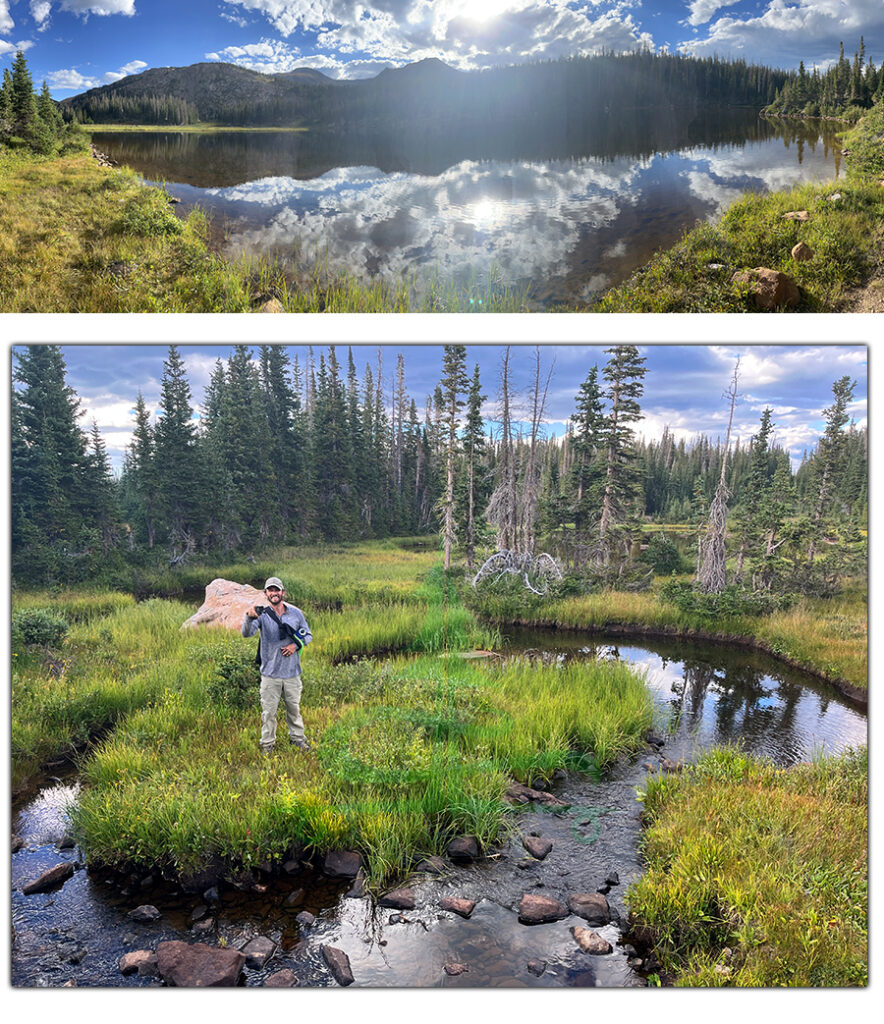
(23, 102)
(474, 451)
(139, 475)
(829, 465)
(454, 384)
(586, 472)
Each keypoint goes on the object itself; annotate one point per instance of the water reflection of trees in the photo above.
(217, 160)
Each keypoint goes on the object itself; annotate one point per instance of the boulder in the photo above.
(186, 965)
(50, 879)
(342, 863)
(305, 919)
(271, 306)
(535, 909)
(464, 849)
(591, 906)
(339, 964)
(225, 605)
(591, 942)
(802, 252)
(398, 899)
(457, 905)
(800, 215)
(281, 979)
(141, 961)
(771, 289)
(538, 847)
(146, 912)
(357, 889)
(258, 951)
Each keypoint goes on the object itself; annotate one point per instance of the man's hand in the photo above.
(289, 650)
(253, 612)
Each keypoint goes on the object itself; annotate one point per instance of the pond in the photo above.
(706, 694)
(553, 215)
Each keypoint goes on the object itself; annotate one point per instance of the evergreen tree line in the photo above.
(27, 119)
(847, 89)
(117, 108)
(579, 89)
(283, 453)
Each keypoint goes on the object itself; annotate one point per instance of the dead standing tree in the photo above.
(712, 565)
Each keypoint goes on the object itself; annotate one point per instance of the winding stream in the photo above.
(707, 695)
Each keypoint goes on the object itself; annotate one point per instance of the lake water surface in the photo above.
(558, 216)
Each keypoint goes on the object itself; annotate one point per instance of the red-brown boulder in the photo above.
(196, 965)
(225, 604)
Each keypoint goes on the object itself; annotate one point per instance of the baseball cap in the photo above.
(274, 581)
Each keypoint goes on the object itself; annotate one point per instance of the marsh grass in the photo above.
(757, 876)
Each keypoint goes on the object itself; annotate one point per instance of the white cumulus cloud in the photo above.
(100, 7)
(6, 22)
(40, 11)
(72, 79)
(701, 11)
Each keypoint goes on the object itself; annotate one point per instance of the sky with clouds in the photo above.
(79, 44)
(683, 389)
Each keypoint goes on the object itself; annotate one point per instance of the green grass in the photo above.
(756, 876)
(199, 129)
(77, 237)
(695, 275)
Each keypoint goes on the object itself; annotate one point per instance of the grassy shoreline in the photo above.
(201, 128)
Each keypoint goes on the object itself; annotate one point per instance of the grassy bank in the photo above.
(407, 753)
(79, 237)
(757, 877)
(190, 129)
(845, 234)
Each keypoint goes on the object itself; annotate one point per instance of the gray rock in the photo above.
(305, 919)
(211, 896)
(463, 849)
(357, 889)
(431, 866)
(281, 979)
(186, 965)
(295, 897)
(146, 912)
(398, 899)
(590, 941)
(535, 909)
(454, 969)
(258, 951)
(17, 844)
(342, 863)
(591, 906)
(291, 867)
(612, 878)
(536, 967)
(66, 843)
(140, 961)
(199, 912)
(538, 847)
(50, 879)
(339, 964)
(203, 927)
(457, 905)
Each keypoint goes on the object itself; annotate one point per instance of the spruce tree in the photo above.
(454, 383)
(587, 471)
(23, 102)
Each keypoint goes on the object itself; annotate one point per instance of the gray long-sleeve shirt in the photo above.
(273, 663)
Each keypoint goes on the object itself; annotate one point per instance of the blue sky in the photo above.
(684, 385)
(78, 44)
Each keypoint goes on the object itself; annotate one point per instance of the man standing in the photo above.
(284, 631)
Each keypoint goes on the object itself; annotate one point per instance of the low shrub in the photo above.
(729, 603)
(38, 627)
(237, 681)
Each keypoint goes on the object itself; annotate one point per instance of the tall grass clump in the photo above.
(757, 876)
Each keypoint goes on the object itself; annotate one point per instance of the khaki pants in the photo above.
(271, 691)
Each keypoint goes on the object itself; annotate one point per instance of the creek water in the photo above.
(704, 695)
(557, 215)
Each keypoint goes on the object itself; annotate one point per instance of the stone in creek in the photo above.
(398, 899)
(536, 967)
(457, 905)
(203, 927)
(258, 951)
(591, 906)
(305, 919)
(519, 794)
(342, 863)
(142, 962)
(281, 979)
(211, 895)
(65, 843)
(197, 965)
(17, 843)
(538, 847)
(295, 897)
(291, 867)
(339, 964)
(591, 942)
(51, 879)
(670, 766)
(536, 909)
(463, 849)
(455, 969)
(199, 912)
(612, 878)
(145, 912)
(357, 889)
(431, 866)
